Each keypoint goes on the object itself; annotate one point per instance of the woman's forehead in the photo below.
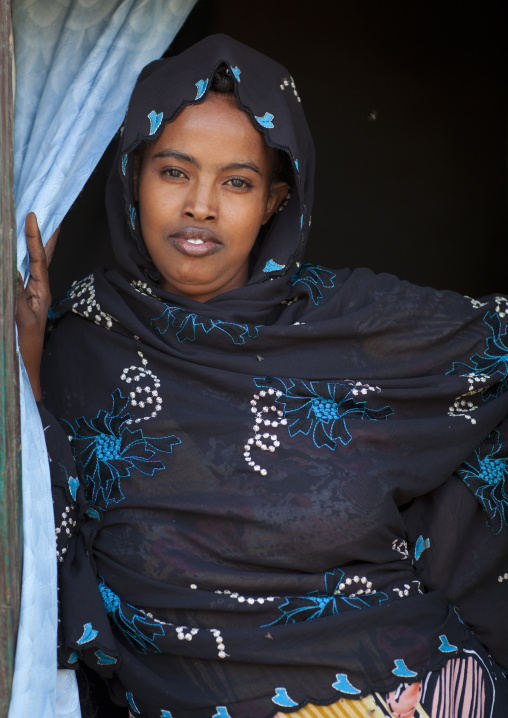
(217, 127)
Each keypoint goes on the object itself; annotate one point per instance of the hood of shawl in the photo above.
(267, 92)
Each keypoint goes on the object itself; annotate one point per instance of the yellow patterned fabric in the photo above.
(373, 706)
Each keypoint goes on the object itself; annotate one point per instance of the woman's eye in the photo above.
(238, 183)
(174, 173)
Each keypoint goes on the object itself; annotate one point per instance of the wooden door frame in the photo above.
(10, 454)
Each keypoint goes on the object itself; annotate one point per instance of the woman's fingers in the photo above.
(37, 289)
(38, 264)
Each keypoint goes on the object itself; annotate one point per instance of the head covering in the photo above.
(248, 462)
(267, 93)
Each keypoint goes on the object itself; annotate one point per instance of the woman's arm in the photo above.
(33, 302)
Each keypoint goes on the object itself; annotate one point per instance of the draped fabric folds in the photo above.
(76, 64)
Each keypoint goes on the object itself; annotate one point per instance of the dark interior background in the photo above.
(407, 102)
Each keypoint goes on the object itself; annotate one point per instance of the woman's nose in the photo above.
(201, 203)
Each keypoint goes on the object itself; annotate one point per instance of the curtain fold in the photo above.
(76, 65)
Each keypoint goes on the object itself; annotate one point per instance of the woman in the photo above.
(286, 479)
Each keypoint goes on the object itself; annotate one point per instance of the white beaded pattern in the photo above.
(250, 600)
(86, 304)
(407, 589)
(400, 545)
(66, 524)
(462, 406)
(360, 388)
(145, 392)
(476, 302)
(185, 633)
(290, 83)
(502, 306)
(268, 417)
(143, 288)
(502, 577)
(364, 587)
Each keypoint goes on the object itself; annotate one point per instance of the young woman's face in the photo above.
(204, 191)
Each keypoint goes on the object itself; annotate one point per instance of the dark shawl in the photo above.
(290, 487)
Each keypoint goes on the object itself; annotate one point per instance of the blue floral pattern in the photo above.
(188, 323)
(315, 278)
(140, 630)
(493, 360)
(106, 450)
(321, 408)
(486, 475)
(329, 603)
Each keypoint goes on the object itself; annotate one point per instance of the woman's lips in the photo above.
(195, 242)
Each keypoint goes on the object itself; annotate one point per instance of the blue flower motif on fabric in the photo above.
(486, 474)
(106, 450)
(321, 408)
(281, 698)
(297, 166)
(130, 701)
(401, 670)
(222, 712)
(445, 646)
(73, 658)
(155, 121)
(266, 120)
(104, 660)
(165, 714)
(421, 546)
(73, 486)
(89, 633)
(201, 87)
(132, 216)
(272, 266)
(236, 72)
(329, 603)
(343, 684)
(125, 157)
(315, 278)
(493, 360)
(139, 630)
(188, 323)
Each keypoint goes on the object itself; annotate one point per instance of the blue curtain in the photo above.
(76, 62)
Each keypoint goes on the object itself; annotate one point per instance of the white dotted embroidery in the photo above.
(476, 302)
(86, 305)
(64, 531)
(143, 288)
(359, 388)
(185, 633)
(407, 589)
(400, 545)
(289, 82)
(220, 642)
(286, 200)
(502, 577)
(364, 587)
(250, 600)
(268, 416)
(143, 390)
(462, 406)
(502, 306)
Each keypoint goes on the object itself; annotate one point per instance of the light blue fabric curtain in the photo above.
(76, 64)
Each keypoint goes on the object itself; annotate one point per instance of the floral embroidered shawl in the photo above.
(294, 491)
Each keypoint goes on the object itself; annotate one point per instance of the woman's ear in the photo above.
(276, 195)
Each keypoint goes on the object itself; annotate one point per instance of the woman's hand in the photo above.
(33, 301)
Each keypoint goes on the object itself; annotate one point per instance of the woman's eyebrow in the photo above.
(176, 155)
(241, 166)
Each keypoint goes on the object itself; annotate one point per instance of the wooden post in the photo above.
(10, 474)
